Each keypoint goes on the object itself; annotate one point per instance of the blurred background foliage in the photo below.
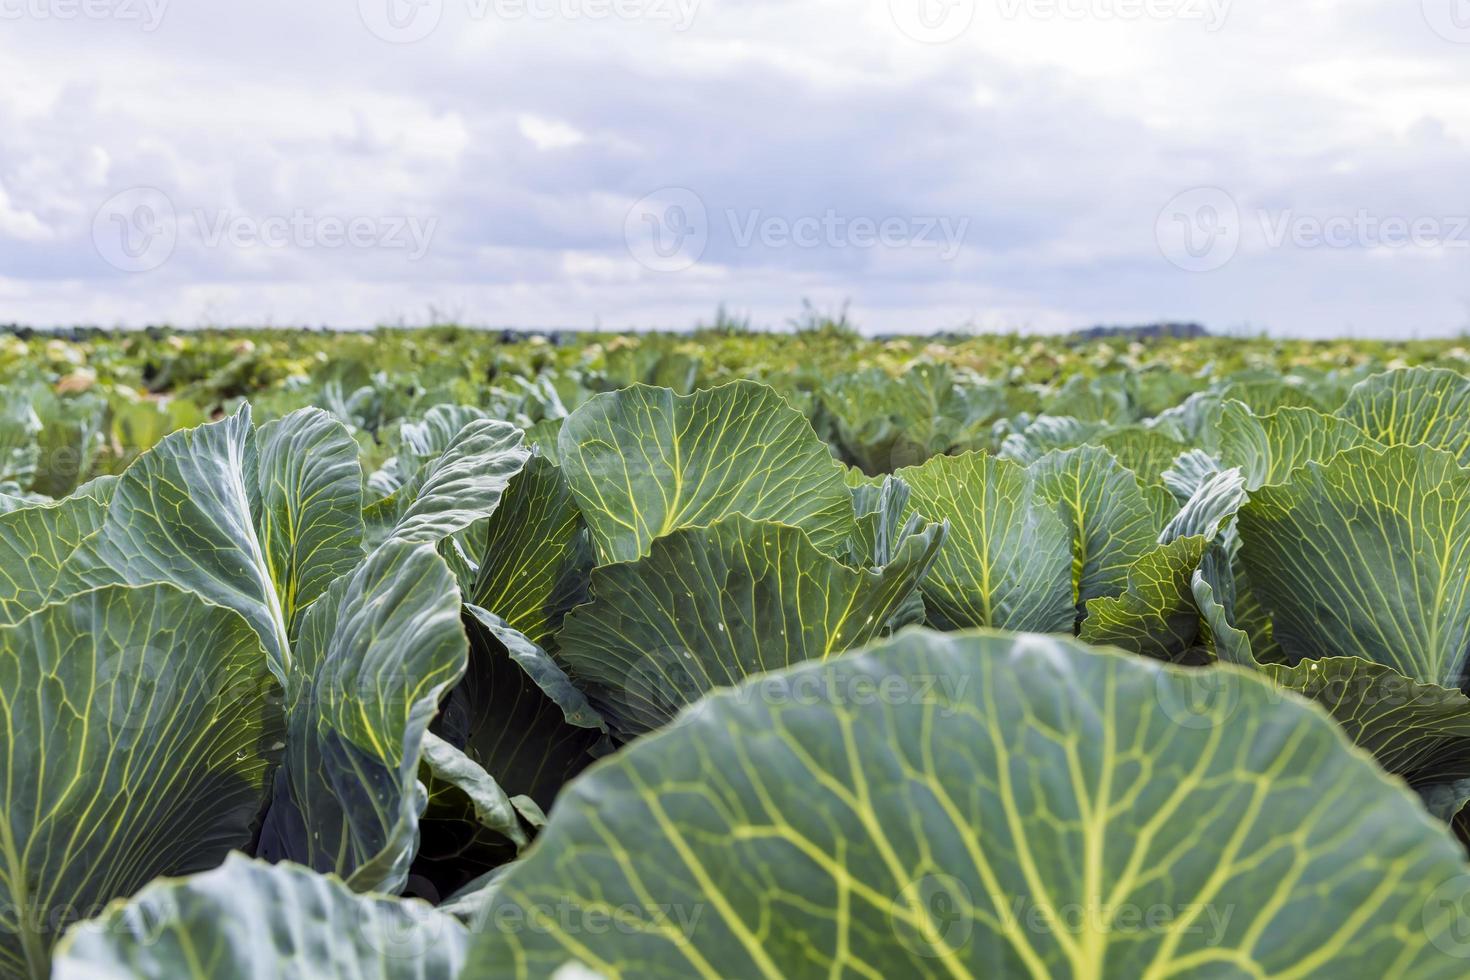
(82, 403)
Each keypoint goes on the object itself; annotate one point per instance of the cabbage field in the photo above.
(448, 653)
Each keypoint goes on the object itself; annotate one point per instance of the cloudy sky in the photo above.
(1295, 166)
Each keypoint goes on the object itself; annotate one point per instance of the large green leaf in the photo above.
(181, 514)
(1266, 392)
(248, 921)
(1190, 470)
(534, 554)
(1048, 432)
(459, 485)
(1155, 615)
(305, 487)
(1210, 511)
(376, 652)
(240, 517)
(883, 521)
(711, 606)
(1267, 450)
(644, 462)
(1111, 521)
(37, 545)
(135, 735)
(885, 422)
(1227, 642)
(1418, 731)
(489, 806)
(1368, 556)
(1007, 562)
(1419, 406)
(1145, 451)
(985, 806)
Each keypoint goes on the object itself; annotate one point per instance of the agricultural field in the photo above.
(445, 653)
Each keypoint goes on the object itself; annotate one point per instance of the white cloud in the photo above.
(523, 131)
(18, 224)
(548, 134)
